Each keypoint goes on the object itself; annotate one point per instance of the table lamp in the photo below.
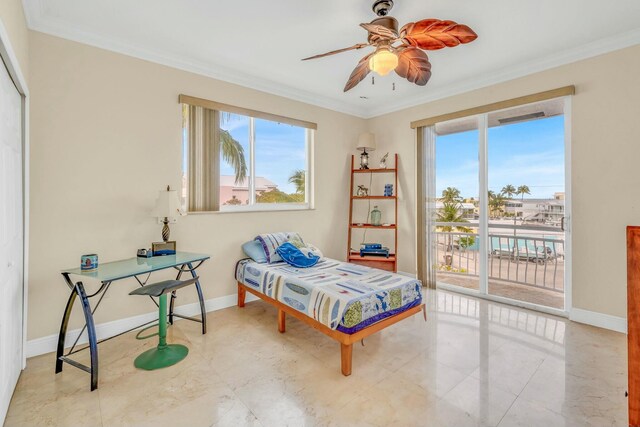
(167, 206)
(366, 141)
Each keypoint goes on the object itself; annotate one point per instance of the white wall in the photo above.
(605, 175)
(106, 136)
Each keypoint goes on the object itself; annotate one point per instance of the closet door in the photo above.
(11, 238)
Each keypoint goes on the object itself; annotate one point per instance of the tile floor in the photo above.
(474, 363)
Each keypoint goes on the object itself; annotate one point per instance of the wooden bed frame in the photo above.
(346, 340)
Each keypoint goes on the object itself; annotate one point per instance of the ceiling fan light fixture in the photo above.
(402, 50)
(383, 61)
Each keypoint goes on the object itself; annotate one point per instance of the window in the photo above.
(241, 160)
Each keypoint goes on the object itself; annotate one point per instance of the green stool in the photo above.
(164, 354)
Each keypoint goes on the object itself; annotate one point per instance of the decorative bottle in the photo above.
(376, 216)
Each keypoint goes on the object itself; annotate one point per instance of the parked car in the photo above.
(541, 255)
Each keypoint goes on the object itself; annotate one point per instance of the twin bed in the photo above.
(347, 302)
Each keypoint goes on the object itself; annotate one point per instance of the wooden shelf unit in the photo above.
(373, 197)
(356, 256)
(374, 170)
(383, 263)
(382, 227)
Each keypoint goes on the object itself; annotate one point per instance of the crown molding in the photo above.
(37, 21)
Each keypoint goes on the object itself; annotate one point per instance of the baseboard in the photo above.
(49, 343)
(404, 273)
(606, 321)
(593, 318)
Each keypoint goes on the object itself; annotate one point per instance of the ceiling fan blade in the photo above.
(380, 30)
(359, 73)
(414, 65)
(433, 34)
(333, 52)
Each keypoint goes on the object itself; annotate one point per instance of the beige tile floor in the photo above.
(474, 363)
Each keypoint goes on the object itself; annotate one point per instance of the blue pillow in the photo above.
(254, 250)
(271, 241)
(295, 257)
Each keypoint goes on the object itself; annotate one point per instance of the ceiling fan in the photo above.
(406, 58)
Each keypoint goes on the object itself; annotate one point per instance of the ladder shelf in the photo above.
(389, 263)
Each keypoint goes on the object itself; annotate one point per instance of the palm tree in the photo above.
(298, 179)
(233, 154)
(522, 190)
(496, 202)
(232, 150)
(451, 194)
(508, 190)
(451, 212)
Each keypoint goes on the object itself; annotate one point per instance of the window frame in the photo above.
(254, 206)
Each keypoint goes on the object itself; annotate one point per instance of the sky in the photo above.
(280, 149)
(528, 153)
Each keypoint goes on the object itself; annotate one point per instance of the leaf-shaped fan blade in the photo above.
(333, 52)
(359, 73)
(380, 30)
(433, 34)
(414, 65)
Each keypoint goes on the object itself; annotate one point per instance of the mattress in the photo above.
(346, 297)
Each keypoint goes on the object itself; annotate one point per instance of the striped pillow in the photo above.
(272, 241)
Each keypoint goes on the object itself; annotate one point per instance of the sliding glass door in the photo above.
(498, 205)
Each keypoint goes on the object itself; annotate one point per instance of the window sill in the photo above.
(256, 208)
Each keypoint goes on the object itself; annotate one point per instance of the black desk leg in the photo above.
(171, 302)
(91, 332)
(63, 329)
(203, 310)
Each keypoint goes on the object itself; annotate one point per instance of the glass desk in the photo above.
(106, 274)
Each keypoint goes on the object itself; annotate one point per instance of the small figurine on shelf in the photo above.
(362, 191)
(388, 190)
(383, 161)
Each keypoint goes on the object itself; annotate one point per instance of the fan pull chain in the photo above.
(373, 80)
(394, 86)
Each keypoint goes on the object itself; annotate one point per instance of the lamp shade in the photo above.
(366, 142)
(383, 61)
(167, 204)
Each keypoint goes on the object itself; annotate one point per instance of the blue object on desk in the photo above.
(164, 252)
(89, 262)
(144, 253)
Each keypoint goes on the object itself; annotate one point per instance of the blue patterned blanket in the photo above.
(337, 294)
